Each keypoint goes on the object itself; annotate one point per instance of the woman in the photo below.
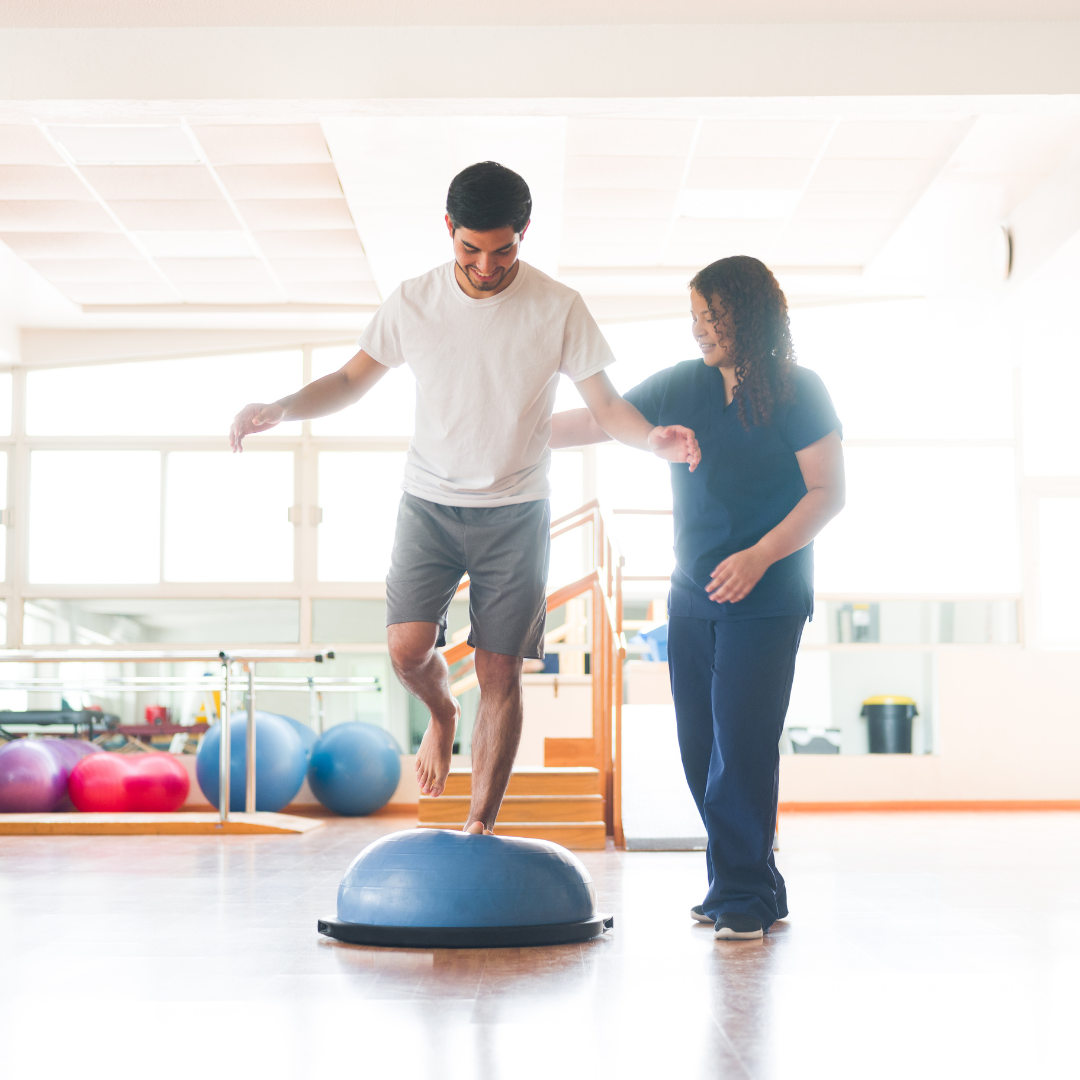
(771, 475)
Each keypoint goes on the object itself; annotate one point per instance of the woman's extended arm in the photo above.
(822, 467)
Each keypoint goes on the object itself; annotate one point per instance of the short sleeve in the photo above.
(648, 396)
(381, 338)
(811, 415)
(585, 350)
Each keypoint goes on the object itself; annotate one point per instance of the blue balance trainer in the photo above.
(446, 889)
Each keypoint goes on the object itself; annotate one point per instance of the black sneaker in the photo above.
(698, 913)
(731, 926)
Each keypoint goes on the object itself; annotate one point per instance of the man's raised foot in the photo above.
(433, 757)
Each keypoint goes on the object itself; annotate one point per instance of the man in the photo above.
(486, 337)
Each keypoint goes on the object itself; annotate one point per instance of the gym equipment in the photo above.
(279, 762)
(32, 778)
(446, 889)
(307, 736)
(118, 783)
(354, 768)
(69, 752)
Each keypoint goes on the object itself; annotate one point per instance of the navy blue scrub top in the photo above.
(747, 483)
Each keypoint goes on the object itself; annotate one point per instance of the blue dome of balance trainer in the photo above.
(443, 887)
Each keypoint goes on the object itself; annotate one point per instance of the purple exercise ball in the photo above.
(68, 752)
(32, 779)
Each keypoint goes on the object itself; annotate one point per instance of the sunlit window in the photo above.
(359, 495)
(5, 403)
(95, 516)
(199, 396)
(227, 516)
(388, 408)
(924, 520)
(3, 503)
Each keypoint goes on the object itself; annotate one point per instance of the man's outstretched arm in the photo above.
(614, 417)
(330, 394)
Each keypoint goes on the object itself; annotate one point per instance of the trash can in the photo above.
(888, 721)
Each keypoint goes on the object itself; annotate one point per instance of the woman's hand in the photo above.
(675, 443)
(733, 579)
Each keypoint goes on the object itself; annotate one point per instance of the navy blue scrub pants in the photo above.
(731, 681)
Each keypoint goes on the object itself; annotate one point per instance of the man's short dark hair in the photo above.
(488, 196)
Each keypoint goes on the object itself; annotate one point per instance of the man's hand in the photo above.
(733, 579)
(675, 443)
(251, 419)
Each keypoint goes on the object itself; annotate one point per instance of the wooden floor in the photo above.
(919, 945)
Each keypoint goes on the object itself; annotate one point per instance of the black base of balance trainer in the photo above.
(466, 937)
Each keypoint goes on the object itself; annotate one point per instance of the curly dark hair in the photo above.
(745, 289)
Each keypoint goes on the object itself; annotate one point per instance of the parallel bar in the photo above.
(224, 744)
(249, 762)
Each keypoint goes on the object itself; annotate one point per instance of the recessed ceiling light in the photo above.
(127, 144)
(724, 205)
(197, 245)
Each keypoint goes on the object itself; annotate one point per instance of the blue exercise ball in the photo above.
(307, 736)
(354, 768)
(444, 878)
(279, 762)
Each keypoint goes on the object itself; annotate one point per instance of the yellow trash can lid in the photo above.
(889, 699)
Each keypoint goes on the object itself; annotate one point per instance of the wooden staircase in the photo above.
(560, 804)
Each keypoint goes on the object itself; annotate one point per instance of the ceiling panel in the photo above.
(749, 234)
(871, 234)
(105, 292)
(829, 252)
(41, 182)
(263, 144)
(127, 182)
(281, 181)
(629, 137)
(847, 206)
(582, 231)
(274, 215)
(192, 244)
(141, 144)
(58, 270)
(927, 140)
(24, 144)
(333, 292)
(230, 292)
(70, 245)
(630, 253)
(226, 270)
(742, 174)
(612, 202)
(45, 215)
(624, 172)
(852, 174)
(762, 138)
(311, 244)
(322, 269)
(174, 215)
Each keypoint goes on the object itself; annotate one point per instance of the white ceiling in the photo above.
(175, 215)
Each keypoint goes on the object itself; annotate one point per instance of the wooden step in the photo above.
(560, 752)
(581, 835)
(573, 781)
(454, 809)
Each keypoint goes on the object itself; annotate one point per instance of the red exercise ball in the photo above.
(115, 783)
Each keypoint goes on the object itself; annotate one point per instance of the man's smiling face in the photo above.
(485, 258)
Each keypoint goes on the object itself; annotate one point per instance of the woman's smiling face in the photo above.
(715, 337)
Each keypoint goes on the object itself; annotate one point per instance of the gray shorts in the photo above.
(503, 549)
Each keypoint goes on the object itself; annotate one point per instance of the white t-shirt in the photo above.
(486, 374)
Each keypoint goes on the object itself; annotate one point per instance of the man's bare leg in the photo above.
(495, 736)
(423, 671)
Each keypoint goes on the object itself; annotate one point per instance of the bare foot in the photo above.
(433, 757)
(477, 829)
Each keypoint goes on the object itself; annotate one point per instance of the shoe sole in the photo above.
(725, 933)
(702, 918)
